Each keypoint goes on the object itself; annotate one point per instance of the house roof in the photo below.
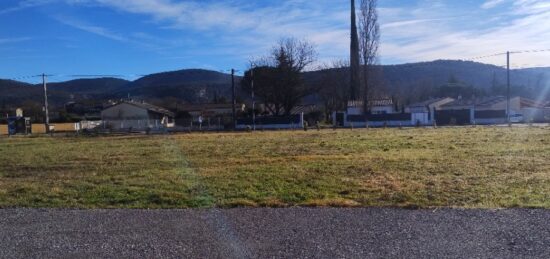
(300, 108)
(380, 102)
(147, 106)
(205, 106)
(372, 103)
(304, 108)
(524, 102)
(490, 101)
(427, 102)
(479, 102)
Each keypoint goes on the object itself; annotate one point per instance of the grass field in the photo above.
(483, 167)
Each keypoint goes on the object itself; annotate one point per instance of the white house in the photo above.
(423, 113)
(493, 110)
(210, 110)
(533, 111)
(381, 113)
(133, 115)
(377, 106)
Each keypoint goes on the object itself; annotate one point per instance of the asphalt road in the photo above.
(275, 233)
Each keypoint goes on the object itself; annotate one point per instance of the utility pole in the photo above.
(253, 101)
(47, 116)
(508, 86)
(233, 97)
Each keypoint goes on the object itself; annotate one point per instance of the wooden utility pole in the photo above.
(508, 86)
(47, 116)
(253, 101)
(233, 97)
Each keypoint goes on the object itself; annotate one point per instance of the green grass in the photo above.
(483, 167)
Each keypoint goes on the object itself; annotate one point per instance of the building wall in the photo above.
(438, 104)
(138, 125)
(382, 109)
(396, 123)
(292, 122)
(491, 121)
(416, 109)
(355, 110)
(125, 116)
(515, 104)
(535, 114)
(124, 111)
(423, 118)
(272, 126)
(40, 128)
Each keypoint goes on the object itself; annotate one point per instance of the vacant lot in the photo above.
(465, 167)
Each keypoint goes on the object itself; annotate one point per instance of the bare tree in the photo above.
(281, 74)
(293, 53)
(334, 86)
(369, 44)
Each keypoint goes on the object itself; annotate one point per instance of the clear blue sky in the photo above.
(135, 37)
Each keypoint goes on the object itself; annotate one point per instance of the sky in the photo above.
(131, 38)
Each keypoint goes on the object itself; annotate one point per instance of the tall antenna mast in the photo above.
(354, 55)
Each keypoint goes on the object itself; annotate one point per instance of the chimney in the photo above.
(354, 56)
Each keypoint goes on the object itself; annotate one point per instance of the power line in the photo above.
(487, 56)
(530, 51)
(95, 76)
(417, 64)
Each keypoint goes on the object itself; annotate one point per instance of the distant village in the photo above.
(130, 116)
(350, 97)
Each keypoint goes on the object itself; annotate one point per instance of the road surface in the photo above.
(275, 233)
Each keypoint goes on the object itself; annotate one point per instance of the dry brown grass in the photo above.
(482, 167)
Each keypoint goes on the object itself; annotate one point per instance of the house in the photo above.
(295, 121)
(423, 113)
(85, 110)
(134, 115)
(210, 110)
(382, 106)
(376, 106)
(533, 111)
(268, 109)
(381, 112)
(489, 110)
(485, 110)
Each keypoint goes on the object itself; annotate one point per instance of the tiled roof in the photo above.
(301, 108)
(149, 107)
(206, 106)
(307, 108)
(479, 102)
(372, 103)
(532, 104)
(427, 102)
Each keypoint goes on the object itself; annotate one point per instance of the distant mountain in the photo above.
(96, 86)
(186, 76)
(425, 78)
(16, 92)
(417, 81)
(190, 85)
(409, 82)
